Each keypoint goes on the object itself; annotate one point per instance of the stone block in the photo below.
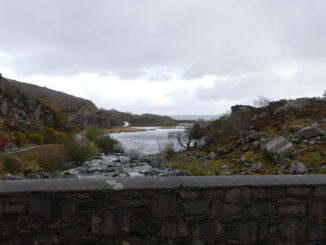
(40, 239)
(320, 191)
(238, 195)
(15, 208)
(221, 210)
(317, 208)
(292, 209)
(41, 206)
(212, 194)
(245, 232)
(174, 229)
(288, 229)
(186, 194)
(317, 232)
(298, 191)
(207, 228)
(261, 210)
(65, 207)
(196, 208)
(164, 207)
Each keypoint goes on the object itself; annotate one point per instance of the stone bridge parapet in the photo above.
(266, 210)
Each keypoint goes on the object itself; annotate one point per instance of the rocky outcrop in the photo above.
(279, 148)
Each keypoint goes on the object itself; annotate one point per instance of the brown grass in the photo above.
(49, 158)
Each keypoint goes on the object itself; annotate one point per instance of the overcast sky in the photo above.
(167, 56)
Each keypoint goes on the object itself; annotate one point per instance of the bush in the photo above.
(36, 138)
(12, 164)
(92, 132)
(50, 136)
(19, 136)
(167, 149)
(77, 152)
(107, 144)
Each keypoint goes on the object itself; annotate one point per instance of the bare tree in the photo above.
(239, 122)
(324, 95)
(261, 101)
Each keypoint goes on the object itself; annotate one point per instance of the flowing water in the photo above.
(139, 159)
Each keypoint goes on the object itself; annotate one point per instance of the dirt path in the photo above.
(21, 150)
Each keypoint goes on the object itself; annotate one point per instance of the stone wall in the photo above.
(172, 210)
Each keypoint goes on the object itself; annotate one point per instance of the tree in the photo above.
(192, 137)
(261, 101)
(239, 122)
(324, 95)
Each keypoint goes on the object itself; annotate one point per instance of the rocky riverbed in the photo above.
(120, 165)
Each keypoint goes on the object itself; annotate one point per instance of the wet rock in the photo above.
(279, 148)
(308, 132)
(298, 168)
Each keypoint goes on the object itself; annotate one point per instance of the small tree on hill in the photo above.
(239, 123)
(261, 101)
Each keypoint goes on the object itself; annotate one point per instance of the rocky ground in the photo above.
(286, 138)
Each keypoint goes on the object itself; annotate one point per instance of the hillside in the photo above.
(282, 137)
(72, 111)
(57, 99)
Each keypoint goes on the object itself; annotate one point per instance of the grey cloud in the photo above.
(129, 37)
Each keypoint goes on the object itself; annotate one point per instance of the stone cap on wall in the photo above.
(143, 183)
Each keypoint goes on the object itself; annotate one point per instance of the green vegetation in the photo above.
(107, 144)
(77, 152)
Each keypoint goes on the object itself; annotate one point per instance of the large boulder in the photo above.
(308, 132)
(279, 148)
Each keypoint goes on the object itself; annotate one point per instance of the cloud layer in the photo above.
(252, 47)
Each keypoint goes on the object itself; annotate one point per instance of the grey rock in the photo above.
(254, 136)
(279, 148)
(211, 156)
(301, 151)
(257, 167)
(263, 142)
(296, 128)
(298, 168)
(255, 145)
(298, 103)
(280, 110)
(308, 132)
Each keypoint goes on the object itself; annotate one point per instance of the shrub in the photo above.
(50, 136)
(20, 137)
(92, 132)
(107, 144)
(167, 149)
(36, 138)
(12, 164)
(77, 152)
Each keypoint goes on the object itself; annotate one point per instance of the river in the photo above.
(139, 159)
